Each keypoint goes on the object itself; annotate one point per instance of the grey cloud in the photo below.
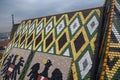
(25, 9)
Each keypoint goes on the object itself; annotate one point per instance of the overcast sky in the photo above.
(25, 9)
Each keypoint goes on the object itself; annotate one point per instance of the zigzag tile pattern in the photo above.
(70, 34)
(113, 61)
(112, 70)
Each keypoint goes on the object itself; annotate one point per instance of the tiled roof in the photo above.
(4, 43)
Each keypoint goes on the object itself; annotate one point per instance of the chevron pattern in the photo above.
(113, 61)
